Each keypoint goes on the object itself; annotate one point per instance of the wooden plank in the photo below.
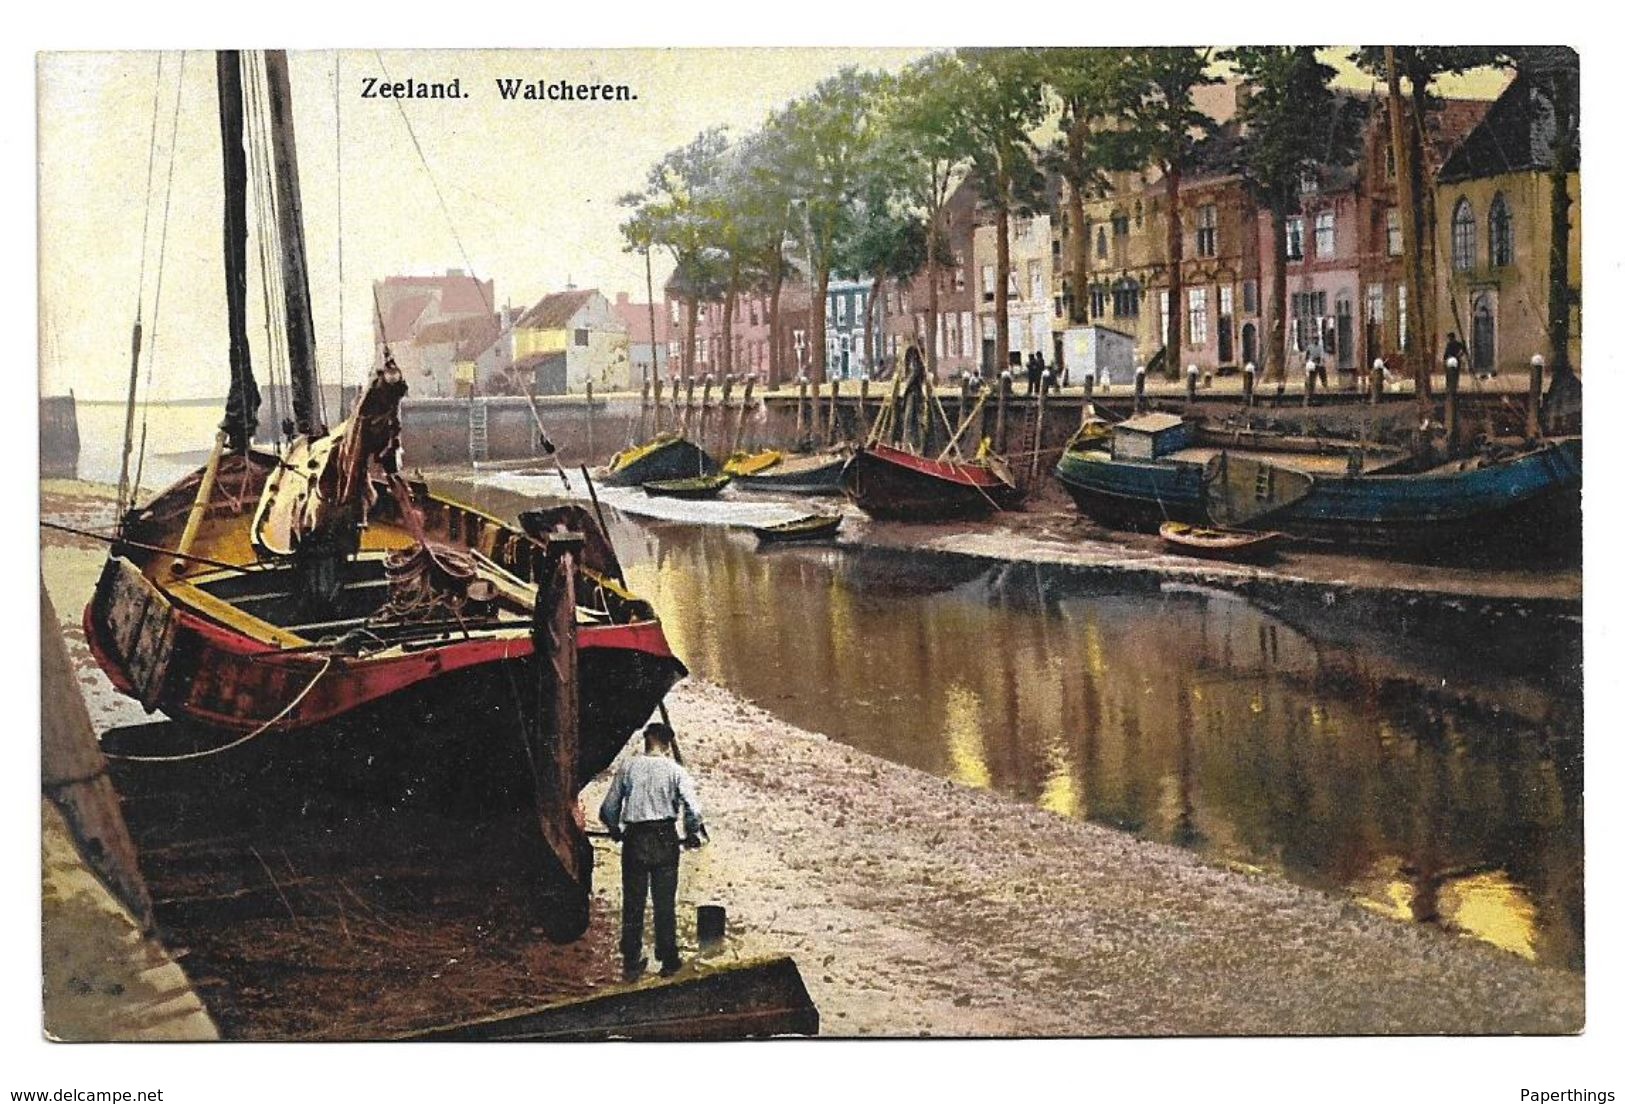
(749, 1000)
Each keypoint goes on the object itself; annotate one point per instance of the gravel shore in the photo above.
(917, 906)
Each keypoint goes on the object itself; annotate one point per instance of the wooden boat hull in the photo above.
(1132, 494)
(802, 529)
(395, 711)
(671, 458)
(798, 475)
(1219, 544)
(1535, 495)
(1532, 495)
(700, 488)
(888, 483)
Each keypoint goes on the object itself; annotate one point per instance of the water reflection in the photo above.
(1431, 779)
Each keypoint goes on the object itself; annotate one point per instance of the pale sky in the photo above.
(529, 187)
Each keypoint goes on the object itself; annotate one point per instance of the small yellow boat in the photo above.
(752, 463)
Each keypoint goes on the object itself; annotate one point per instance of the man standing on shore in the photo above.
(649, 793)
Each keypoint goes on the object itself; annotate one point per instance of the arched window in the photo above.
(1100, 243)
(1126, 298)
(1500, 231)
(1463, 237)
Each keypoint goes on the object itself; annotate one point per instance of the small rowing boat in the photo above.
(1219, 544)
(703, 486)
(810, 528)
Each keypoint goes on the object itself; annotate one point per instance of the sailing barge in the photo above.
(317, 624)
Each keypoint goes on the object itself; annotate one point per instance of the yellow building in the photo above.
(1494, 206)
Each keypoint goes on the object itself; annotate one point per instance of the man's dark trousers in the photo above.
(649, 862)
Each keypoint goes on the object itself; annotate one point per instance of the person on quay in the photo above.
(1456, 347)
(648, 796)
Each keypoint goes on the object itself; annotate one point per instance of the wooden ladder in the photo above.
(479, 446)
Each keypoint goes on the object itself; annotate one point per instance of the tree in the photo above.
(1420, 66)
(670, 213)
(1161, 126)
(1003, 102)
(765, 202)
(926, 148)
(829, 135)
(887, 243)
(1089, 84)
(1293, 123)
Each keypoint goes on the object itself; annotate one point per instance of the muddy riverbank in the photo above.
(913, 904)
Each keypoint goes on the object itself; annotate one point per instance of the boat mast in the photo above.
(290, 225)
(243, 401)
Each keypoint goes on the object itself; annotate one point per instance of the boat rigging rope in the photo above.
(327, 665)
(140, 294)
(158, 293)
(268, 240)
(338, 176)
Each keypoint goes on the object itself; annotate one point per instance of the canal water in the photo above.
(1425, 776)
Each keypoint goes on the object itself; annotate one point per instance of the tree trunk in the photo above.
(1001, 287)
(726, 361)
(693, 304)
(1176, 276)
(1426, 236)
(931, 304)
(1079, 237)
(1559, 292)
(775, 330)
(1410, 220)
(653, 372)
(817, 357)
(1276, 359)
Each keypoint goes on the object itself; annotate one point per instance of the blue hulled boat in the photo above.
(1146, 471)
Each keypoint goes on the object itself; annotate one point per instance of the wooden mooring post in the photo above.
(657, 403)
(1249, 379)
(816, 411)
(589, 420)
(1192, 374)
(999, 415)
(1038, 429)
(553, 743)
(863, 409)
(1452, 412)
(1139, 389)
(801, 406)
(1537, 381)
(1379, 373)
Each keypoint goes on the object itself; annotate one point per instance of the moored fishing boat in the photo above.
(810, 528)
(817, 473)
(664, 456)
(1147, 472)
(887, 482)
(701, 486)
(752, 463)
(315, 622)
(1219, 544)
